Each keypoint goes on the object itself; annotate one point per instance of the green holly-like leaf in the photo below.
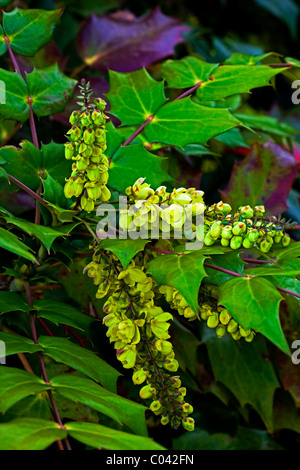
(185, 273)
(285, 282)
(54, 170)
(232, 79)
(113, 139)
(125, 250)
(45, 234)
(187, 72)
(10, 242)
(98, 436)
(83, 360)
(289, 267)
(238, 58)
(134, 96)
(243, 369)
(29, 164)
(14, 90)
(54, 192)
(29, 434)
(54, 162)
(285, 253)
(130, 163)
(3, 174)
(231, 261)
(254, 303)
(50, 90)
(91, 394)
(16, 384)
(216, 82)
(29, 30)
(183, 122)
(23, 163)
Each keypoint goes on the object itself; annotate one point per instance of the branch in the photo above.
(42, 364)
(12, 57)
(188, 92)
(150, 118)
(28, 190)
(32, 123)
(138, 131)
(223, 270)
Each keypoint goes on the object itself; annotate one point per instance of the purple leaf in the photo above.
(124, 43)
(265, 176)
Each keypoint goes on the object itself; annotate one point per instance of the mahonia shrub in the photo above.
(129, 294)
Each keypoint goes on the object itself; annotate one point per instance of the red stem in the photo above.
(256, 261)
(188, 92)
(42, 364)
(223, 270)
(81, 341)
(150, 118)
(28, 190)
(32, 123)
(11, 55)
(31, 116)
(46, 328)
(138, 131)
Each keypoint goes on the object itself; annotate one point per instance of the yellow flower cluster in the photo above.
(139, 331)
(215, 316)
(161, 210)
(247, 227)
(85, 147)
(183, 212)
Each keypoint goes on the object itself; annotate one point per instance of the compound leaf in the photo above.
(134, 96)
(29, 30)
(183, 122)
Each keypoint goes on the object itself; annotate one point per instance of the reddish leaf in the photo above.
(289, 376)
(125, 43)
(265, 176)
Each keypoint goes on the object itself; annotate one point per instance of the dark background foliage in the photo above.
(227, 417)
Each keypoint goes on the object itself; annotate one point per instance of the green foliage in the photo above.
(135, 96)
(208, 334)
(20, 26)
(46, 91)
(216, 83)
(175, 271)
